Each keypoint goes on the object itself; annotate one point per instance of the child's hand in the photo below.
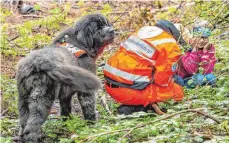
(194, 43)
(200, 44)
(206, 47)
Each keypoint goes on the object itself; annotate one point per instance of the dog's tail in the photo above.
(82, 79)
(77, 77)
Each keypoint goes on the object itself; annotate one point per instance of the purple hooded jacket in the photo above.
(192, 60)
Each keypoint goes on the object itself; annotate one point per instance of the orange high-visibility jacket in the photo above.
(144, 51)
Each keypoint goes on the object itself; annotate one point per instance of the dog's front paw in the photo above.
(91, 116)
(33, 136)
(17, 139)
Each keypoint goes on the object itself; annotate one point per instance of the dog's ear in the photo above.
(61, 35)
(85, 35)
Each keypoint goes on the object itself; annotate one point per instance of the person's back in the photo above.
(140, 73)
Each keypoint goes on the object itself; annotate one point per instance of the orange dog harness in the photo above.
(73, 49)
(76, 51)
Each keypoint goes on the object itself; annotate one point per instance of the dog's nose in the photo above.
(111, 30)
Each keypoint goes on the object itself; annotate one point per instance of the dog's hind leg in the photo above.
(23, 95)
(65, 101)
(87, 102)
(39, 103)
(23, 112)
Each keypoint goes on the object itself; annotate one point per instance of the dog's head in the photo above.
(91, 33)
(94, 32)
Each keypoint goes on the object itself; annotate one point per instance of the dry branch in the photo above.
(13, 43)
(14, 38)
(223, 19)
(219, 12)
(104, 102)
(4, 112)
(33, 16)
(206, 136)
(98, 135)
(119, 12)
(150, 122)
(167, 117)
(163, 9)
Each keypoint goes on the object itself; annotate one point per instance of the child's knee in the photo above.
(197, 79)
(211, 79)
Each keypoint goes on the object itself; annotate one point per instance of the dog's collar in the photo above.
(73, 49)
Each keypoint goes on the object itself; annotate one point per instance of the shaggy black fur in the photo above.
(53, 72)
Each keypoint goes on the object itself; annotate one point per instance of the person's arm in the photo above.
(208, 59)
(166, 66)
(191, 62)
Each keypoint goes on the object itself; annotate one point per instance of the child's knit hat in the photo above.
(202, 29)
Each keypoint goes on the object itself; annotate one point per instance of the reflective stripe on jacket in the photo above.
(147, 56)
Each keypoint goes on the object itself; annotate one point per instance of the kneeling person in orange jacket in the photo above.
(140, 73)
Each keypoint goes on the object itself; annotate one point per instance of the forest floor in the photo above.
(203, 115)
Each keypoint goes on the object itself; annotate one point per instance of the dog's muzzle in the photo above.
(109, 29)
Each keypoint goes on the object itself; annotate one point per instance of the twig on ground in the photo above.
(163, 9)
(180, 5)
(150, 122)
(146, 3)
(105, 105)
(13, 43)
(121, 15)
(207, 116)
(101, 134)
(34, 16)
(223, 27)
(121, 32)
(119, 12)
(217, 15)
(200, 14)
(206, 136)
(75, 7)
(224, 19)
(8, 117)
(4, 112)
(166, 117)
(128, 117)
(192, 21)
(14, 38)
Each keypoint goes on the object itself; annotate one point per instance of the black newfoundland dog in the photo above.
(59, 71)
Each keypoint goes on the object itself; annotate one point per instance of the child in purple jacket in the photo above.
(196, 66)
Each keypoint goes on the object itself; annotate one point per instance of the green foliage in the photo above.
(56, 130)
(3, 14)
(6, 48)
(9, 95)
(183, 128)
(66, 140)
(106, 9)
(37, 7)
(55, 11)
(42, 35)
(33, 34)
(203, 10)
(5, 140)
(8, 127)
(75, 123)
(80, 3)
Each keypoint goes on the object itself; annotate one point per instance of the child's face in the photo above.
(200, 42)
